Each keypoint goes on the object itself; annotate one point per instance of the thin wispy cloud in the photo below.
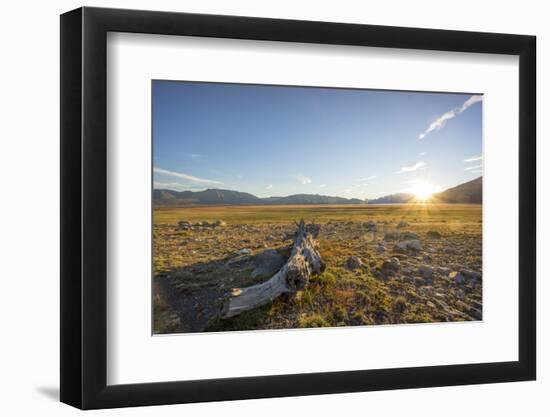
(269, 187)
(473, 167)
(474, 158)
(303, 179)
(411, 168)
(176, 186)
(191, 178)
(366, 179)
(193, 155)
(322, 185)
(422, 153)
(438, 123)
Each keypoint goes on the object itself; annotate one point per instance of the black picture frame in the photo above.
(84, 207)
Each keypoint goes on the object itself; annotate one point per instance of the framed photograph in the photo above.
(256, 208)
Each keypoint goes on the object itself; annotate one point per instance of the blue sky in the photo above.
(277, 141)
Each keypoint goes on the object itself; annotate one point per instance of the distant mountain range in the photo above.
(398, 198)
(469, 192)
(230, 197)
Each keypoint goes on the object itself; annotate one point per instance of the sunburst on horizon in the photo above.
(424, 190)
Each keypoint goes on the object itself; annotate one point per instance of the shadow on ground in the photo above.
(190, 299)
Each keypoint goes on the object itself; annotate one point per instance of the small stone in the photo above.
(244, 251)
(402, 223)
(414, 244)
(390, 236)
(354, 262)
(395, 264)
(459, 278)
(370, 226)
(426, 271)
(410, 235)
(434, 234)
(184, 225)
(472, 275)
(400, 247)
(380, 248)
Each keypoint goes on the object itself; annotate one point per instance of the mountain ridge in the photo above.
(162, 197)
(468, 192)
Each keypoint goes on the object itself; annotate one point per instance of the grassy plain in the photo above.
(440, 279)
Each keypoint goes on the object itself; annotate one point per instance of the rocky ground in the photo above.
(382, 271)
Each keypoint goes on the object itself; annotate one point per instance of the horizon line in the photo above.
(313, 194)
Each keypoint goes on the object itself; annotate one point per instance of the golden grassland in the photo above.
(426, 212)
(194, 269)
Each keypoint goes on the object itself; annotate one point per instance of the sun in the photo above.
(423, 190)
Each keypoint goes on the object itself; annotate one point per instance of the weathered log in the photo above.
(304, 261)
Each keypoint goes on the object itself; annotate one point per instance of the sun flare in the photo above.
(423, 190)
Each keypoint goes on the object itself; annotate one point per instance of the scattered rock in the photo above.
(395, 263)
(400, 247)
(244, 251)
(458, 278)
(471, 275)
(426, 271)
(184, 225)
(404, 246)
(391, 236)
(414, 245)
(380, 248)
(402, 223)
(433, 234)
(465, 276)
(410, 235)
(370, 226)
(354, 262)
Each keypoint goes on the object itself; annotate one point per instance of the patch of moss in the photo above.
(313, 320)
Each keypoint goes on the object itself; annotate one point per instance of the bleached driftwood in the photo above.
(304, 261)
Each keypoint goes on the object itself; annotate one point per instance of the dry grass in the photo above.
(339, 296)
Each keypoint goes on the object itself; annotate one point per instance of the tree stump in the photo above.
(304, 261)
